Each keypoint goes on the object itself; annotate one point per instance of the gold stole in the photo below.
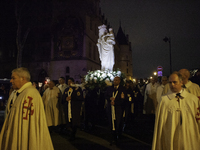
(113, 111)
(69, 105)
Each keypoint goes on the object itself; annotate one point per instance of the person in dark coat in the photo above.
(72, 99)
(91, 101)
(128, 102)
(116, 97)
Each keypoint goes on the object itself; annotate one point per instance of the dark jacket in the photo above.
(118, 100)
(76, 102)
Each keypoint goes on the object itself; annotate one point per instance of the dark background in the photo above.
(147, 22)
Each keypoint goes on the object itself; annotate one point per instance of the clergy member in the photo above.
(177, 125)
(127, 103)
(188, 85)
(160, 88)
(62, 88)
(116, 97)
(25, 126)
(72, 99)
(51, 99)
(150, 102)
(62, 85)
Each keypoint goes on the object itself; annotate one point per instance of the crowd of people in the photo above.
(35, 111)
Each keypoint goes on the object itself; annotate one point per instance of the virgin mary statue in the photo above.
(105, 46)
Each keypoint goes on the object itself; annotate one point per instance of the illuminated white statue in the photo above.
(105, 46)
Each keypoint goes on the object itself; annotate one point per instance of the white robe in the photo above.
(150, 101)
(51, 99)
(62, 87)
(166, 89)
(25, 126)
(159, 92)
(150, 89)
(177, 125)
(193, 88)
(7, 110)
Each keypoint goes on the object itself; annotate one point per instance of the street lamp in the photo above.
(167, 39)
(155, 73)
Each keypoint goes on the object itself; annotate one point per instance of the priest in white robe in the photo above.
(25, 126)
(188, 85)
(177, 125)
(150, 102)
(160, 88)
(51, 99)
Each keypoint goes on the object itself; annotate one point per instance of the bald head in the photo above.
(185, 75)
(51, 84)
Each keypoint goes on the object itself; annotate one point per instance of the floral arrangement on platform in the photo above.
(101, 79)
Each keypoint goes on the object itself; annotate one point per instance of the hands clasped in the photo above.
(68, 98)
(112, 101)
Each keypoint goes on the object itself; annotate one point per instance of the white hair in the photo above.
(23, 72)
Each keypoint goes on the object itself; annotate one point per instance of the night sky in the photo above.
(147, 22)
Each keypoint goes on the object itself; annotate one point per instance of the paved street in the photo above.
(137, 136)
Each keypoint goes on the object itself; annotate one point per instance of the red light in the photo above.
(45, 82)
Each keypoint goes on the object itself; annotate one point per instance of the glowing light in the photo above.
(47, 80)
(159, 73)
(40, 84)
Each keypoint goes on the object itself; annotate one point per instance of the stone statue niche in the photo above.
(105, 46)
